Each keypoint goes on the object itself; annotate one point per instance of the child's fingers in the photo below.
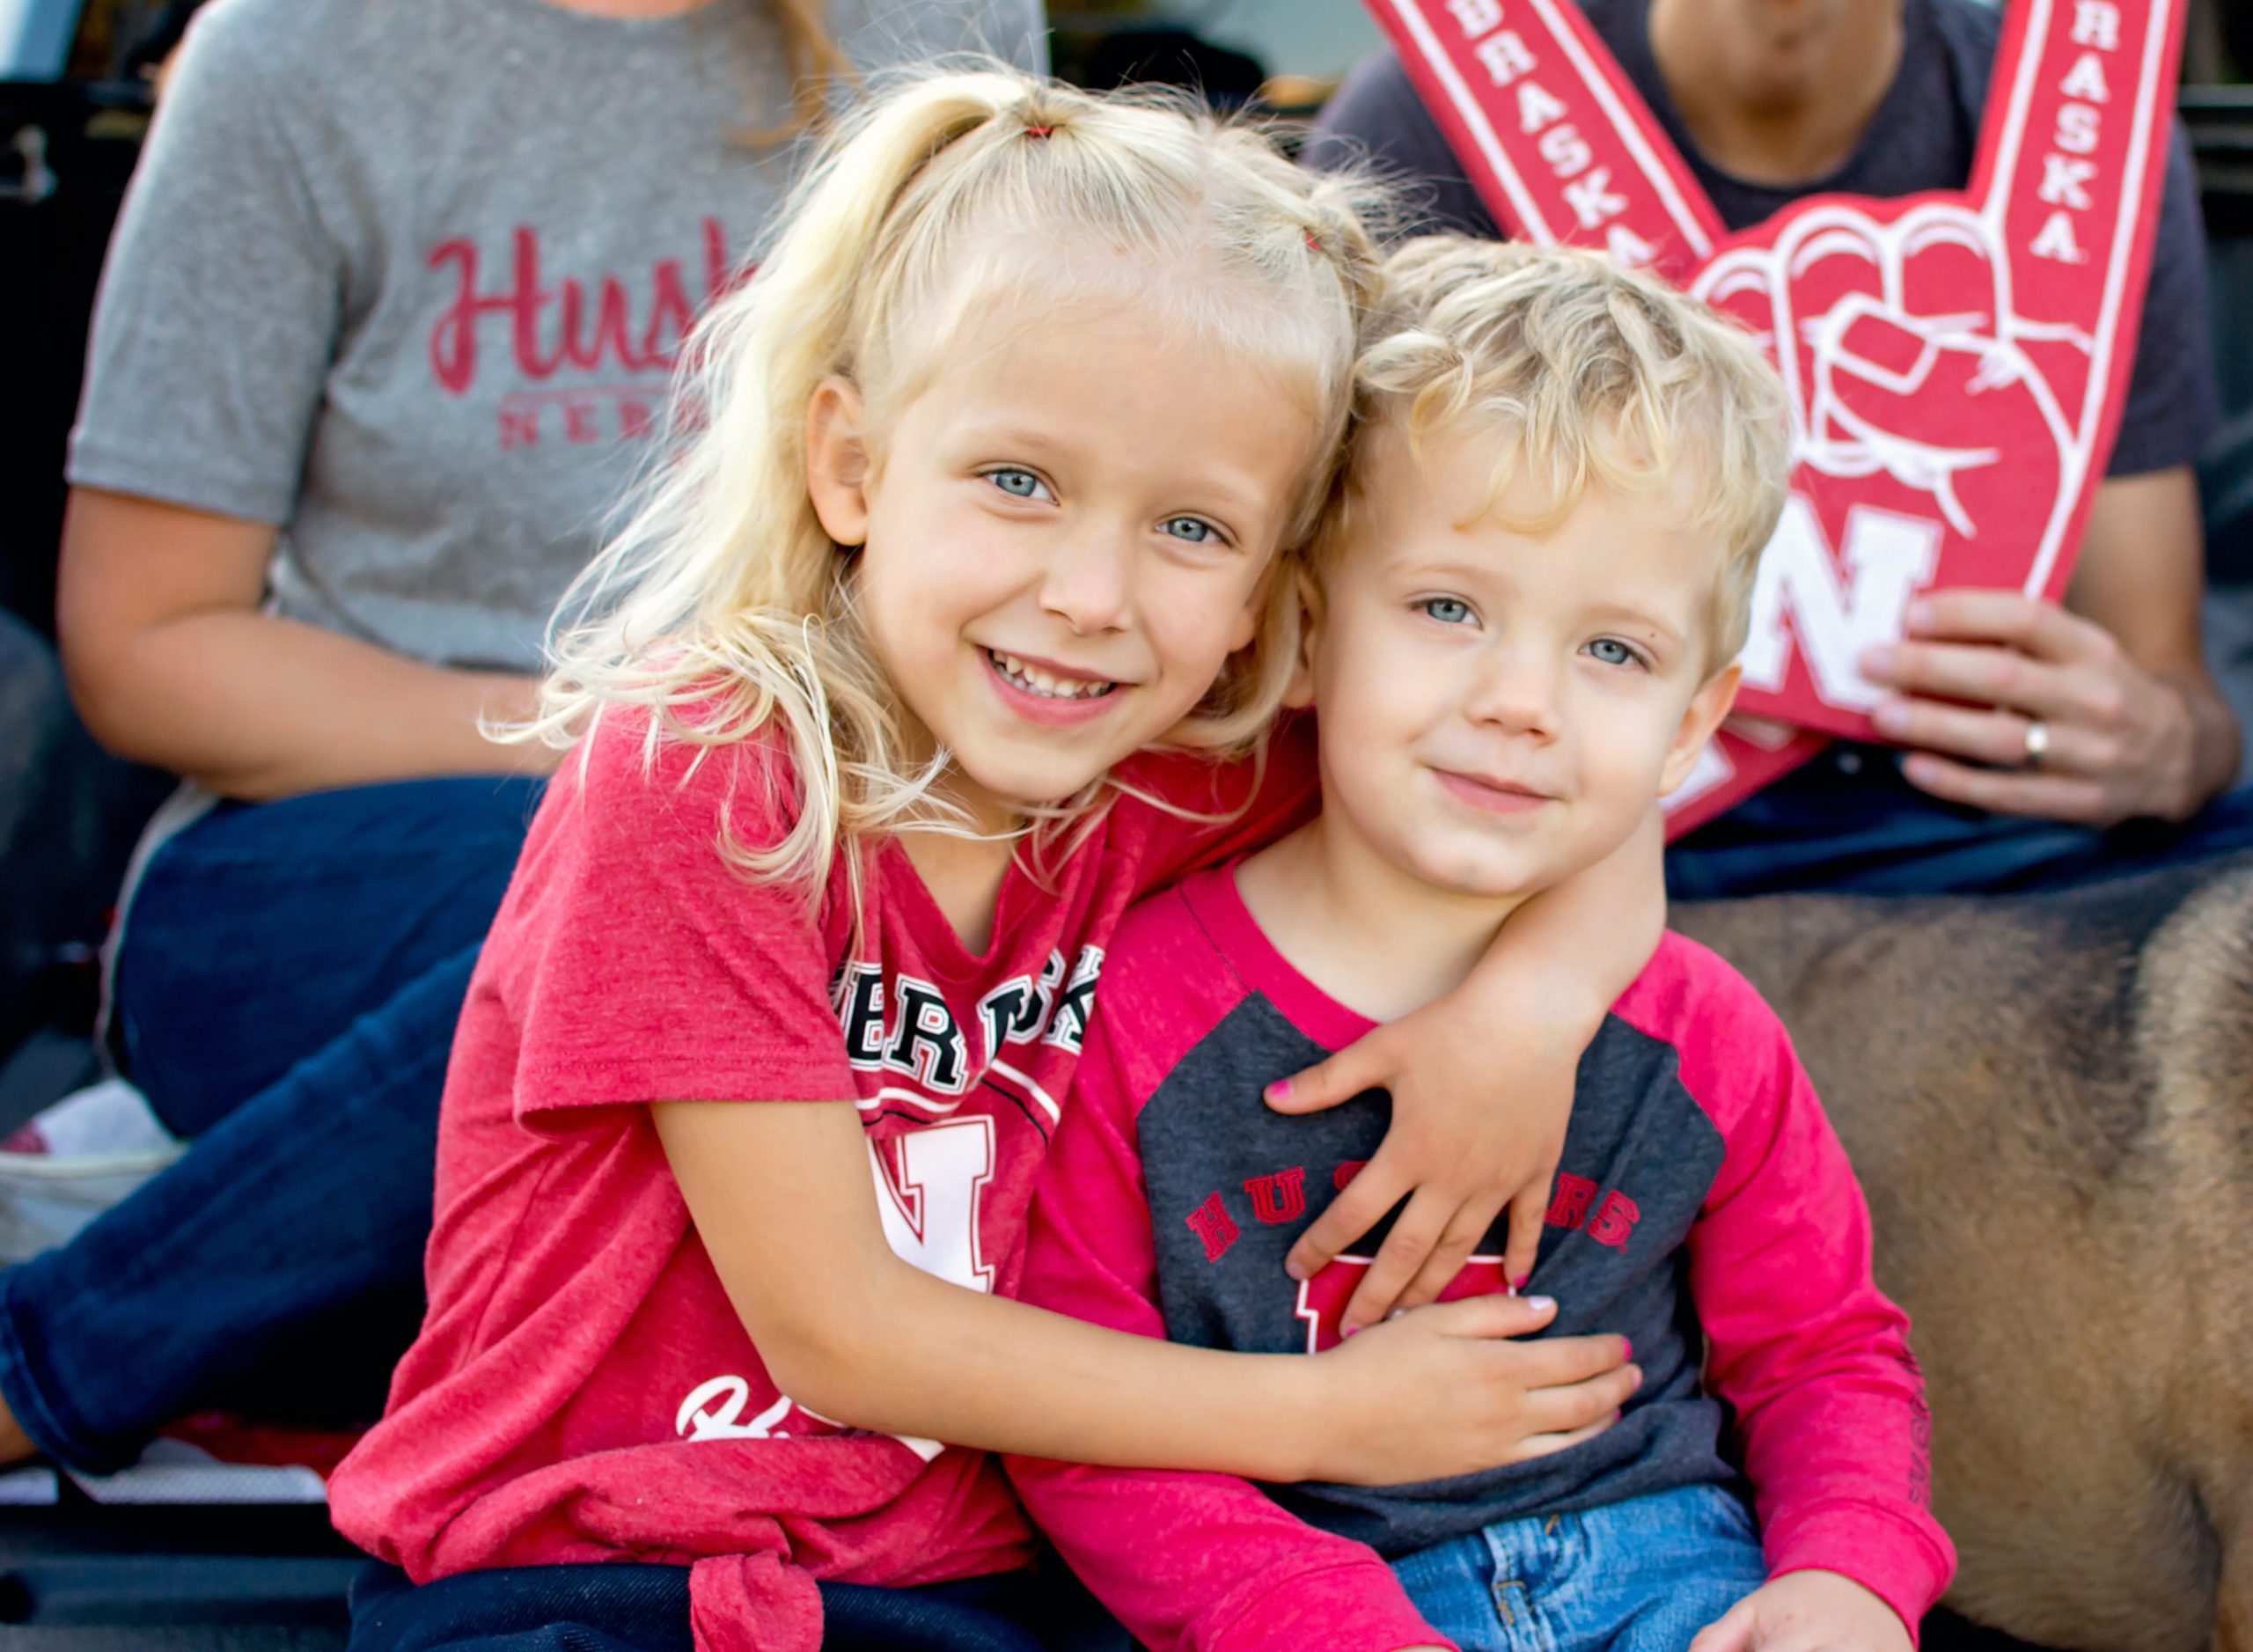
(1414, 1232)
(1357, 1209)
(1569, 1362)
(1360, 1065)
(1529, 1213)
(1591, 1404)
(1544, 1444)
(1733, 1631)
(1492, 1317)
(1458, 1241)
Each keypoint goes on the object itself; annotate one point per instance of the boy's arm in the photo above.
(1482, 1084)
(1801, 1343)
(1182, 1559)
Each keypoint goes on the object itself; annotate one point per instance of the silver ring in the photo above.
(2037, 743)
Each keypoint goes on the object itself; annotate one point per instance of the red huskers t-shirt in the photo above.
(582, 1389)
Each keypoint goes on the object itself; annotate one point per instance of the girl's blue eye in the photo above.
(1018, 484)
(1191, 529)
(1612, 652)
(1446, 610)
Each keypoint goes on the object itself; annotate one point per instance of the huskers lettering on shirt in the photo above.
(582, 1388)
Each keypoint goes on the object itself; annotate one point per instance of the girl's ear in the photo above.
(1299, 692)
(837, 461)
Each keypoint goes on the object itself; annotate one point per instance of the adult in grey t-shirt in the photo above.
(1883, 98)
(385, 333)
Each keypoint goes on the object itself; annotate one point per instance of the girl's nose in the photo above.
(1088, 583)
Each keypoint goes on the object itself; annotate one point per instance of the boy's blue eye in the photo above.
(1191, 530)
(1612, 652)
(1446, 610)
(1018, 484)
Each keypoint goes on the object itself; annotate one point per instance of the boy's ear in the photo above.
(837, 461)
(1708, 707)
(1298, 693)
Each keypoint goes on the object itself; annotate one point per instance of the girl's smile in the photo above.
(1048, 694)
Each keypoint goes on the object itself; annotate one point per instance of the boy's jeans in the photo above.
(1644, 1575)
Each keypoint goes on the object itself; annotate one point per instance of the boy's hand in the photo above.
(1458, 1150)
(1807, 1612)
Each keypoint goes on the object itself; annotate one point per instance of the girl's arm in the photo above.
(1482, 1084)
(779, 1192)
(171, 662)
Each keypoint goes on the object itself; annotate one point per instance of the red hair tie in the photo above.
(1039, 131)
(1313, 245)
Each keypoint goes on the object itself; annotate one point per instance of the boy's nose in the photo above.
(1517, 693)
(1089, 583)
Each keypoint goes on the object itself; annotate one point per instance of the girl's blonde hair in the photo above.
(1582, 373)
(955, 196)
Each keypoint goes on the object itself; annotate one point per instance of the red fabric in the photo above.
(582, 1389)
(1812, 1357)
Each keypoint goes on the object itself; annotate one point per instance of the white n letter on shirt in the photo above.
(930, 1212)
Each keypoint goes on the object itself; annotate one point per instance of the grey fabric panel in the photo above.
(1635, 1130)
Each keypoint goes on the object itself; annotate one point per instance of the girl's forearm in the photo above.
(1002, 1375)
(257, 707)
(1574, 949)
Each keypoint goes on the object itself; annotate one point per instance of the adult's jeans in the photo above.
(1848, 823)
(287, 990)
(629, 1607)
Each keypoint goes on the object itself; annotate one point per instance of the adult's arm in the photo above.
(171, 662)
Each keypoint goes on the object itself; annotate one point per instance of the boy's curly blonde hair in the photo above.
(1585, 374)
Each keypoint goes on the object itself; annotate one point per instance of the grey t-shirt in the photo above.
(1925, 135)
(405, 278)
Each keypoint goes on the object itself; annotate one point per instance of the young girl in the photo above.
(991, 467)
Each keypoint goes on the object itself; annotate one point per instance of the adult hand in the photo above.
(1977, 669)
(1807, 1612)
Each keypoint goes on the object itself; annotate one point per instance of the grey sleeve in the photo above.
(219, 305)
(2173, 403)
(1376, 118)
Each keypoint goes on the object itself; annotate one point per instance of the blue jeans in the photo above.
(287, 993)
(632, 1607)
(1848, 823)
(1645, 1576)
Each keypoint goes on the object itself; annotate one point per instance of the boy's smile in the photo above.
(1503, 697)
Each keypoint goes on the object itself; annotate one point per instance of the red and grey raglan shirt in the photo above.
(1703, 1208)
(582, 1389)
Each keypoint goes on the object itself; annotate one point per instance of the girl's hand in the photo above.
(1807, 1612)
(2122, 743)
(1444, 1390)
(1458, 1150)
(1482, 1085)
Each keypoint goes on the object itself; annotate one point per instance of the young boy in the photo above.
(1524, 613)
